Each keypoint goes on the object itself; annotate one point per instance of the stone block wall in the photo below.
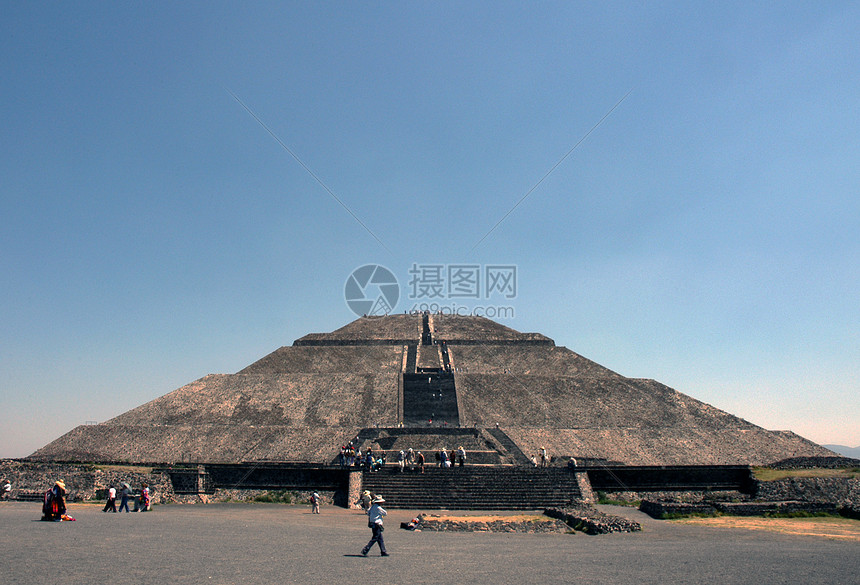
(844, 492)
(83, 482)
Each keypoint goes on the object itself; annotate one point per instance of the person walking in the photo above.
(315, 503)
(125, 493)
(111, 500)
(374, 522)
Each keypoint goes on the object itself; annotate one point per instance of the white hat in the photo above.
(378, 500)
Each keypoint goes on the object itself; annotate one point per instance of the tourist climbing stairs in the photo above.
(426, 335)
(481, 448)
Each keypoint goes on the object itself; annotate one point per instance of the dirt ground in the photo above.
(836, 528)
(486, 518)
(250, 544)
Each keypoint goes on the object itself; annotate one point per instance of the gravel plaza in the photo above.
(269, 543)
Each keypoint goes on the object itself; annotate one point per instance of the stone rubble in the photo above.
(592, 521)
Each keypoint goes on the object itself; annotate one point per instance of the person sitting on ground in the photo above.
(54, 503)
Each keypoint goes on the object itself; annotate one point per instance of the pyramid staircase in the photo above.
(474, 488)
(430, 399)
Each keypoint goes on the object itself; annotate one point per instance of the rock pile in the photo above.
(436, 523)
(592, 521)
(815, 462)
(662, 508)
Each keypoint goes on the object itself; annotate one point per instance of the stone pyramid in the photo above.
(302, 402)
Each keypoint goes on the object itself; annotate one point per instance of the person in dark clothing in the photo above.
(54, 503)
(125, 493)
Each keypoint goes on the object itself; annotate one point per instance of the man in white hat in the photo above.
(374, 521)
(364, 500)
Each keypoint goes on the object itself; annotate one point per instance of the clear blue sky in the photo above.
(706, 234)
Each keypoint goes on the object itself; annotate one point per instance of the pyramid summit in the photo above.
(382, 378)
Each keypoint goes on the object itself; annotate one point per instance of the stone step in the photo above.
(483, 488)
(430, 397)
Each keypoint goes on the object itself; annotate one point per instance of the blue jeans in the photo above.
(377, 537)
(123, 504)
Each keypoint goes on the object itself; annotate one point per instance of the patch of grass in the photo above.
(684, 516)
(276, 497)
(611, 502)
(603, 498)
(800, 514)
(768, 474)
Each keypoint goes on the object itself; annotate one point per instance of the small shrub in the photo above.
(800, 514)
(682, 515)
(277, 497)
(602, 498)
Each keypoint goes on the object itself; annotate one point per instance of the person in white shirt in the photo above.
(374, 521)
(111, 500)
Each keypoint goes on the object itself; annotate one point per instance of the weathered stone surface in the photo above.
(660, 509)
(837, 490)
(436, 523)
(681, 497)
(83, 482)
(815, 463)
(301, 403)
(764, 508)
(688, 444)
(592, 521)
